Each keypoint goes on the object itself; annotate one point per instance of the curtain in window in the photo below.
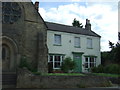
(57, 39)
(89, 43)
(77, 41)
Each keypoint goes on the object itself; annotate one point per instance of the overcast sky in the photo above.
(102, 15)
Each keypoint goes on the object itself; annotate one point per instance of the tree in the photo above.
(115, 53)
(111, 44)
(76, 23)
(112, 56)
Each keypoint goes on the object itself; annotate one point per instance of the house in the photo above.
(81, 44)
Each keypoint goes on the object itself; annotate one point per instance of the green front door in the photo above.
(78, 60)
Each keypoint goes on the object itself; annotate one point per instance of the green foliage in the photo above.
(105, 57)
(68, 64)
(113, 55)
(66, 74)
(111, 44)
(98, 69)
(76, 23)
(112, 68)
(50, 67)
(106, 74)
(24, 63)
(37, 73)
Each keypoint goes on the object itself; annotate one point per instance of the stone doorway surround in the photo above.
(10, 51)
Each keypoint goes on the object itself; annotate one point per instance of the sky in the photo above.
(103, 16)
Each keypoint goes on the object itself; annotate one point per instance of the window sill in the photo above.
(77, 47)
(56, 45)
(56, 68)
(89, 48)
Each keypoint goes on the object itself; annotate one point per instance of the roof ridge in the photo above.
(63, 25)
(70, 29)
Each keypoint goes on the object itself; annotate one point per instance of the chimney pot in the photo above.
(37, 5)
(88, 25)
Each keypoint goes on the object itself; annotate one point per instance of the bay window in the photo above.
(55, 61)
(90, 62)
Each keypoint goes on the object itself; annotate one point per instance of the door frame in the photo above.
(13, 53)
(80, 61)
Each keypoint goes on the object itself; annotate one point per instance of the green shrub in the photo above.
(50, 67)
(112, 68)
(24, 63)
(67, 65)
(99, 69)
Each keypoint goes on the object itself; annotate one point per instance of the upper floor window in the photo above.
(77, 42)
(89, 43)
(57, 39)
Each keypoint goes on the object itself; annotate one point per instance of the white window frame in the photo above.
(53, 61)
(57, 41)
(88, 63)
(77, 42)
(89, 43)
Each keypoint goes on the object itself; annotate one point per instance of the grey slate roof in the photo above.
(70, 29)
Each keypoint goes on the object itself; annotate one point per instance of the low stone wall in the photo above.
(28, 80)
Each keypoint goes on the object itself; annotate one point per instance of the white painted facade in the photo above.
(67, 46)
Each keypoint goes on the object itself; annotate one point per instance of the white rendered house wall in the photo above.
(67, 46)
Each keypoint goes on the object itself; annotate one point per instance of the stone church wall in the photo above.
(29, 34)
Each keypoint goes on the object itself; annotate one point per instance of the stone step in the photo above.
(9, 80)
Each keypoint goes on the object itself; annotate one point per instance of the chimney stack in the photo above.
(37, 5)
(88, 25)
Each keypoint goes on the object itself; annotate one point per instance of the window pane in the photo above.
(57, 61)
(51, 58)
(86, 65)
(91, 59)
(77, 41)
(6, 11)
(57, 64)
(89, 43)
(57, 58)
(86, 59)
(57, 39)
(6, 18)
(91, 64)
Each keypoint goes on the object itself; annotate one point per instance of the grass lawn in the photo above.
(66, 74)
(77, 74)
(107, 75)
(60, 74)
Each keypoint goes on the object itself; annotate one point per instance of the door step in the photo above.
(9, 80)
